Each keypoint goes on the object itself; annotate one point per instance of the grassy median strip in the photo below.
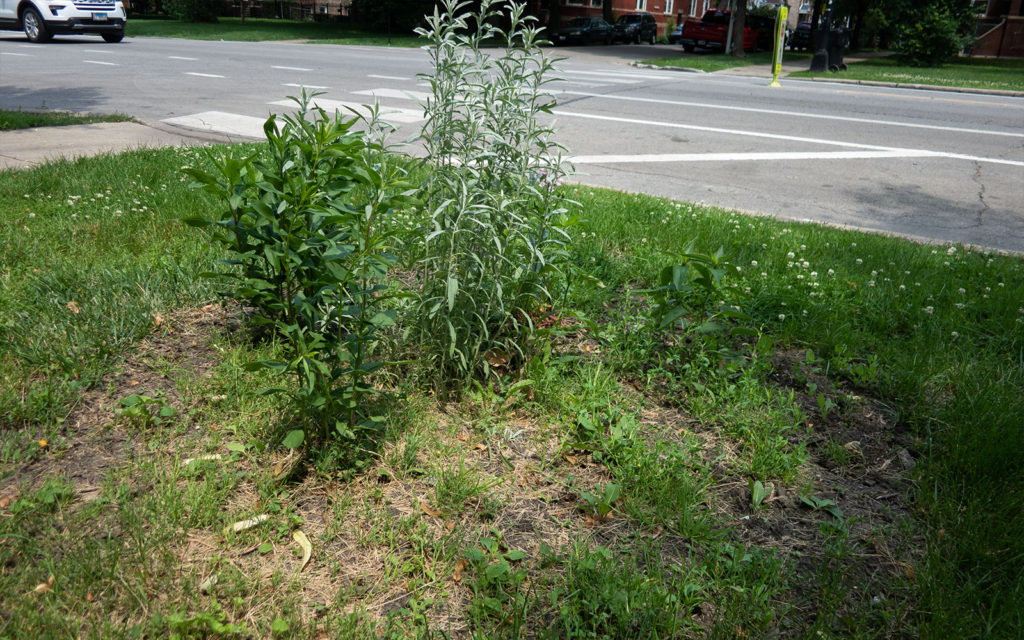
(976, 73)
(260, 29)
(843, 460)
(11, 120)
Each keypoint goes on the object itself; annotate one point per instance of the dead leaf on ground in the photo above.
(73, 307)
(307, 548)
(44, 587)
(430, 512)
(242, 525)
(157, 319)
(459, 567)
(5, 501)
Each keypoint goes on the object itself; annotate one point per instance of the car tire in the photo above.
(636, 38)
(35, 28)
(113, 38)
(689, 48)
(653, 39)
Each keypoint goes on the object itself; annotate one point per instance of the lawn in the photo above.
(848, 466)
(708, 61)
(10, 120)
(976, 73)
(259, 29)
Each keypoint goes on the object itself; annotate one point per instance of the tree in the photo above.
(738, 23)
(930, 32)
(404, 15)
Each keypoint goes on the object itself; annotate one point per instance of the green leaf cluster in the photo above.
(311, 259)
(496, 242)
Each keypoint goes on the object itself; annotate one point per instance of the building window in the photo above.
(641, 5)
(668, 6)
(597, 3)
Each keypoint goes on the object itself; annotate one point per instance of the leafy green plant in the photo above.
(496, 577)
(759, 493)
(205, 624)
(822, 504)
(496, 241)
(601, 501)
(146, 411)
(312, 262)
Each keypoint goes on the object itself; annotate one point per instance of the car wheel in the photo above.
(117, 36)
(688, 48)
(636, 38)
(653, 39)
(35, 28)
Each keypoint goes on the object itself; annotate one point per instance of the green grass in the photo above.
(10, 120)
(261, 29)
(468, 519)
(976, 73)
(706, 61)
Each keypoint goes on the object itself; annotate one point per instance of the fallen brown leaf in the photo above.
(157, 319)
(459, 566)
(5, 501)
(427, 510)
(73, 307)
(44, 587)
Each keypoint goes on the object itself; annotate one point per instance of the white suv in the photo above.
(41, 19)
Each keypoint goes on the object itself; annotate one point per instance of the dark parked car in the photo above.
(634, 27)
(801, 38)
(676, 35)
(584, 31)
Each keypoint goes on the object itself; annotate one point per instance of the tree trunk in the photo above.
(819, 8)
(740, 19)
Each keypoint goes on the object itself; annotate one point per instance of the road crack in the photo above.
(981, 195)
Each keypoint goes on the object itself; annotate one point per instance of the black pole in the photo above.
(819, 63)
(389, 22)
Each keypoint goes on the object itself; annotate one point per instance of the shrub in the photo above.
(311, 263)
(405, 15)
(195, 10)
(931, 33)
(496, 244)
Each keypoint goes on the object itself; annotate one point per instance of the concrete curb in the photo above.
(928, 87)
(660, 68)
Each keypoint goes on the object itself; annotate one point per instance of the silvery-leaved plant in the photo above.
(496, 242)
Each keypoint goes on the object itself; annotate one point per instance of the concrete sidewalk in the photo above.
(23, 148)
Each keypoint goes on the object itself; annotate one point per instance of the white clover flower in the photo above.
(803, 247)
(951, 251)
(782, 317)
(853, 244)
(790, 255)
(954, 335)
(800, 277)
(871, 283)
(959, 305)
(831, 272)
(859, 261)
(903, 287)
(961, 291)
(753, 263)
(874, 273)
(929, 310)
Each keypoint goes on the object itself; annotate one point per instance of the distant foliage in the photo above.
(932, 32)
(405, 15)
(196, 10)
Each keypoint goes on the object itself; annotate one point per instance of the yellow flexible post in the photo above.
(780, 44)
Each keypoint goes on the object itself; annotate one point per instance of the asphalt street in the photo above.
(935, 165)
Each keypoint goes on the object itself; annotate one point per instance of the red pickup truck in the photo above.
(712, 32)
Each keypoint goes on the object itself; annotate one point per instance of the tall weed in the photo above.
(496, 244)
(310, 260)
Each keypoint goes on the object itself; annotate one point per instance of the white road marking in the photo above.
(401, 94)
(639, 75)
(371, 75)
(220, 122)
(290, 68)
(109, 64)
(202, 75)
(10, 53)
(394, 115)
(800, 114)
(775, 136)
(181, 58)
(610, 80)
(577, 82)
(765, 156)
(103, 51)
(303, 86)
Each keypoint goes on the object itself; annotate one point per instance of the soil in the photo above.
(529, 504)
